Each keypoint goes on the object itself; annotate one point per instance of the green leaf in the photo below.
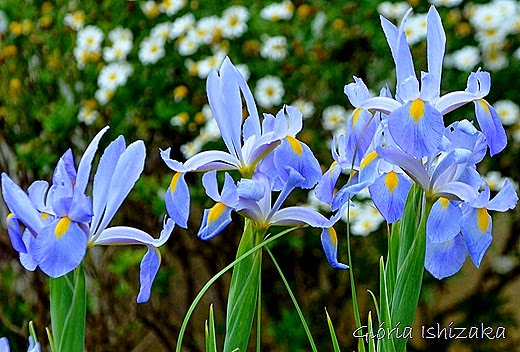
(211, 338)
(68, 310)
(333, 337)
(293, 298)
(371, 339)
(243, 291)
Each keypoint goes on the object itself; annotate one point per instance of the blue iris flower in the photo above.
(61, 222)
(268, 156)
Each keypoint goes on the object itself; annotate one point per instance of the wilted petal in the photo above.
(446, 258)
(329, 241)
(443, 221)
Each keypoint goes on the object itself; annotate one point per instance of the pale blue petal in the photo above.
(453, 100)
(127, 172)
(4, 345)
(443, 222)
(382, 104)
(329, 241)
(324, 190)
(37, 192)
(86, 162)
(105, 169)
(356, 92)
(177, 199)
(491, 126)
(299, 158)
(19, 204)
(505, 199)
(409, 88)
(446, 258)
(149, 268)
(57, 254)
(299, 216)
(214, 221)
(458, 190)
(210, 184)
(478, 237)
(124, 235)
(436, 43)
(15, 233)
(229, 194)
(412, 166)
(27, 259)
(389, 193)
(250, 189)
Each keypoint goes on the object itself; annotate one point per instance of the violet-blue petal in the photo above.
(329, 241)
(298, 156)
(124, 235)
(412, 166)
(210, 184)
(37, 192)
(149, 268)
(85, 163)
(250, 189)
(4, 345)
(476, 227)
(214, 221)
(446, 258)
(60, 247)
(443, 221)
(389, 193)
(458, 190)
(324, 190)
(14, 231)
(229, 194)
(19, 204)
(505, 199)
(177, 199)
(417, 127)
(299, 216)
(356, 92)
(436, 43)
(27, 259)
(491, 126)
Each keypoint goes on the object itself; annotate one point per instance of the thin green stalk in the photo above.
(216, 277)
(302, 318)
(259, 313)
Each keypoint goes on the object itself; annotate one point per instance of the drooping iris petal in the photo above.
(476, 227)
(27, 259)
(445, 258)
(329, 241)
(443, 221)
(209, 182)
(60, 247)
(491, 126)
(19, 204)
(505, 199)
(417, 127)
(15, 233)
(229, 194)
(410, 165)
(298, 216)
(214, 221)
(389, 192)
(4, 345)
(177, 199)
(149, 268)
(324, 190)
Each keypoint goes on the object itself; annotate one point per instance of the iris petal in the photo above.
(214, 221)
(177, 199)
(443, 221)
(491, 126)
(149, 268)
(329, 241)
(476, 227)
(389, 193)
(446, 258)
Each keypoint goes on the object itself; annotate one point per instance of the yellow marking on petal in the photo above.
(175, 179)
(355, 117)
(295, 144)
(9, 216)
(333, 166)
(485, 105)
(444, 202)
(391, 181)
(417, 110)
(216, 212)
(368, 159)
(62, 227)
(482, 219)
(333, 237)
(44, 216)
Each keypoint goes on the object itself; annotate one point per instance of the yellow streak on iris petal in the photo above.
(417, 110)
(391, 181)
(485, 105)
(295, 145)
(175, 179)
(333, 237)
(216, 212)
(44, 216)
(444, 202)
(9, 216)
(62, 227)
(482, 219)
(355, 117)
(368, 158)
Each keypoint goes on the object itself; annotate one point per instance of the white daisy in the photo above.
(150, 9)
(392, 10)
(278, 11)
(234, 21)
(274, 48)
(306, 107)
(90, 38)
(447, 3)
(269, 91)
(334, 117)
(87, 116)
(151, 50)
(75, 20)
(504, 264)
(415, 28)
(120, 34)
(244, 70)
(187, 46)
(495, 180)
(508, 111)
(161, 31)
(181, 25)
(114, 75)
(191, 148)
(117, 52)
(104, 95)
(464, 59)
(171, 7)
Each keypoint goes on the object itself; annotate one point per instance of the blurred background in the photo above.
(68, 68)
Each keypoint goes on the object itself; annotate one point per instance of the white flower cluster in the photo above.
(493, 22)
(152, 9)
(88, 45)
